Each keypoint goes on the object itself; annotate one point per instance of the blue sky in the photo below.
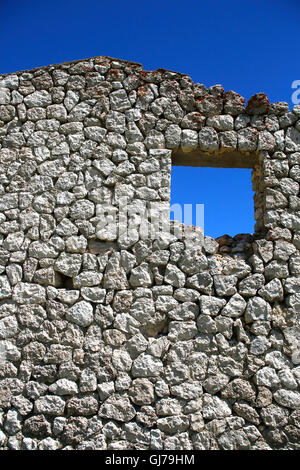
(248, 46)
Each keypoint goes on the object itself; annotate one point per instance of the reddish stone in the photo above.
(243, 237)
(224, 240)
(233, 103)
(258, 104)
(217, 90)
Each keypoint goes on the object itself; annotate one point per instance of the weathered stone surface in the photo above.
(277, 360)
(257, 309)
(267, 377)
(210, 305)
(26, 293)
(201, 282)
(115, 275)
(247, 139)
(173, 136)
(146, 365)
(117, 407)
(121, 360)
(208, 139)
(272, 291)
(82, 209)
(68, 264)
(38, 98)
(174, 276)
(189, 140)
(141, 392)
(87, 279)
(248, 287)
(64, 387)
(247, 412)
(182, 331)
(81, 313)
(258, 104)
(5, 287)
(85, 406)
(233, 103)
(214, 407)
(8, 327)
(93, 294)
(39, 250)
(274, 416)
(141, 276)
(187, 391)
(235, 306)
(225, 285)
(173, 424)
(215, 383)
(118, 329)
(288, 398)
(50, 405)
(37, 426)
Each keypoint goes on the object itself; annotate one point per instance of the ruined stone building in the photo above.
(121, 335)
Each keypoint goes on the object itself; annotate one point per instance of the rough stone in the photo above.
(156, 337)
(81, 313)
(214, 407)
(117, 407)
(50, 405)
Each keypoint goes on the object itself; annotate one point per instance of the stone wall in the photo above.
(118, 339)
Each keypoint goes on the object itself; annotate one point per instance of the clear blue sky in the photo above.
(248, 46)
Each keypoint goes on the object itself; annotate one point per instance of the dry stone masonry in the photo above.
(123, 341)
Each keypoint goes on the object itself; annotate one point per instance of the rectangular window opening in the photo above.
(225, 193)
